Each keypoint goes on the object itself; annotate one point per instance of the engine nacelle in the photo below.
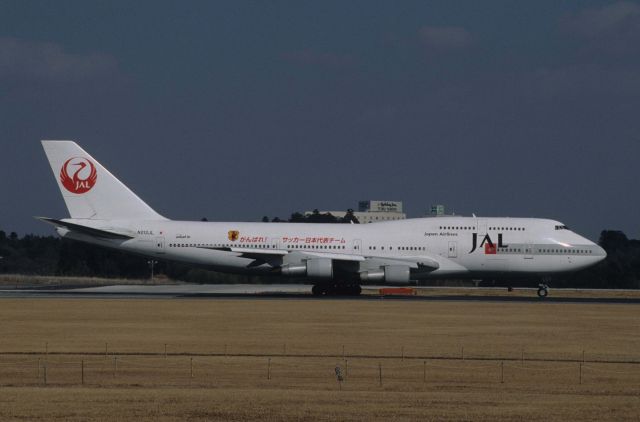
(293, 270)
(394, 274)
(372, 276)
(397, 274)
(320, 268)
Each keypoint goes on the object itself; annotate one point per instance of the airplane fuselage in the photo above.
(461, 246)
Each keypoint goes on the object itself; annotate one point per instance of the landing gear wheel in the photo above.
(336, 289)
(321, 289)
(348, 289)
(356, 290)
(543, 292)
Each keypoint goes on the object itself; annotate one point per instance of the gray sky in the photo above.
(235, 110)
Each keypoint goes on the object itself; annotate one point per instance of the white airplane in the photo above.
(335, 257)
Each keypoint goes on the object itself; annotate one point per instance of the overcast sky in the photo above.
(235, 110)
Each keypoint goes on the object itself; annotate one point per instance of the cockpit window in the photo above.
(562, 227)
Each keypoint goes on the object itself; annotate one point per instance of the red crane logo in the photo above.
(83, 178)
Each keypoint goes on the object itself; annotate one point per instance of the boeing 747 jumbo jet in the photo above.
(337, 258)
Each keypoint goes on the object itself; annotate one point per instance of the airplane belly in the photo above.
(543, 264)
(497, 265)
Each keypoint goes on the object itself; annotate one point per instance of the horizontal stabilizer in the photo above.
(78, 228)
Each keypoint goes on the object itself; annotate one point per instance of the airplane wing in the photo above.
(416, 262)
(334, 256)
(249, 252)
(422, 262)
(263, 254)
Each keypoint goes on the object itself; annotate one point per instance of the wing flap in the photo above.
(334, 256)
(253, 253)
(249, 252)
(422, 262)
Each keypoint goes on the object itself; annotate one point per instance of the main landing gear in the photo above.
(336, 289)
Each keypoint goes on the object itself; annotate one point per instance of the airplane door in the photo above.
(453, 249)
(159, 243)
(275, 243)
(528, 251)
(357, 246)
(482, 227)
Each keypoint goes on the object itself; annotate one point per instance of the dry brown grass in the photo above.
(21, 281)
(298, 387)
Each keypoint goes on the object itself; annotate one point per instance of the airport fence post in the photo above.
(269, 369)
(580, 373)
(424, 371)
(380, 373)
(339, 376)
(502, 372)
(44, 372)
(583, 356)
(82, 372)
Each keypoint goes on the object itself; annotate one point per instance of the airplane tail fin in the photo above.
(90, 190)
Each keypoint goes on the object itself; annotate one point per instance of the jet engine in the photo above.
(393, 274)
(316, 268)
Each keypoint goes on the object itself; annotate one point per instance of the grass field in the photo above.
(21, 281)
(276, 360)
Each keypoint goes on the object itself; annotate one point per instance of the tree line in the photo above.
(316, 217)
(52, 255)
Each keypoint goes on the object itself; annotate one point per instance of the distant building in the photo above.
(437, 210)
(372, 211)
(380, 206)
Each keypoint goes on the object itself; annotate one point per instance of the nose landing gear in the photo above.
(543, 290)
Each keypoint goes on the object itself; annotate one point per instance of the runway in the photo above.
(303, 292)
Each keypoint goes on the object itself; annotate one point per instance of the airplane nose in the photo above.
(600, 253)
